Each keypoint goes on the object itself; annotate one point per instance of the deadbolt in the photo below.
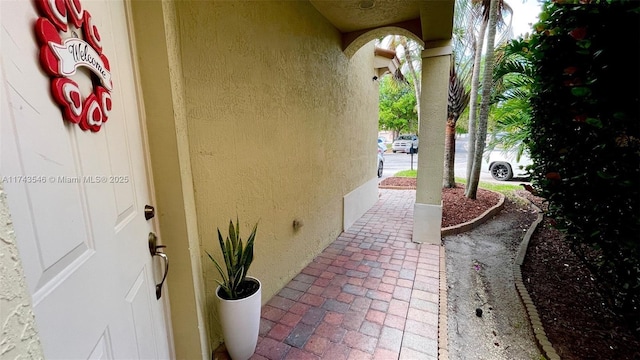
(149, 212)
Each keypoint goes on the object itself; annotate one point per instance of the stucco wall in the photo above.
(18, 334)
(281, 126)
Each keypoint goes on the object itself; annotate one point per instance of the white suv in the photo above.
(504, 166)
(404, 144)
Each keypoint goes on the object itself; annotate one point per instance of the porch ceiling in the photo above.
(428, 19)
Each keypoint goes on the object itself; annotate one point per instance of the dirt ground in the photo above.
(480, 276)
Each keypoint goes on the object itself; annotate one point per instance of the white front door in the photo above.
(77, 199)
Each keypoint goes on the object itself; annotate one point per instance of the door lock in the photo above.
(149, 212)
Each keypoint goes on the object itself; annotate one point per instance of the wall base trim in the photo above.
(427, 223)
(358, 202)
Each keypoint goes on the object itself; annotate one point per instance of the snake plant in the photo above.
(237, 260)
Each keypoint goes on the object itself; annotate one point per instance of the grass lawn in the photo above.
(502, 188)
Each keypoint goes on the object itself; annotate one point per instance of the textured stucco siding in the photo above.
(18, 334)
(281, 125)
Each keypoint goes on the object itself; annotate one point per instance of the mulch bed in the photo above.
(572, 310)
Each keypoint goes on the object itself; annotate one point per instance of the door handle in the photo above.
(154, 249)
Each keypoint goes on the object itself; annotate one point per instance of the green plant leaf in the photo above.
(238, 256)
(225, 254)
(222, 274)
(247, 257)
(604, 175)
(585, 44)
(594, 122)
(228, 253)
(580, 91)
(238, 253)
(232, 236)
(225, 281)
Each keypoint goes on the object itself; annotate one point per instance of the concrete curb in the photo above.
(534, 317)
(464, 227)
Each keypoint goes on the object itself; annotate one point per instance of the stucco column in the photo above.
(427, 216)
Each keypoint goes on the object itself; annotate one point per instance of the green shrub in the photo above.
(585, 137)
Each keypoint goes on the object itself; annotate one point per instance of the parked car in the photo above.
(404, 144)
(382, 147)
(380, 161)
(504, 166)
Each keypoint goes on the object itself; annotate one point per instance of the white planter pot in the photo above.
(240, 321)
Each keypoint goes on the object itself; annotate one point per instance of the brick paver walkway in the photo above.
(371, 294)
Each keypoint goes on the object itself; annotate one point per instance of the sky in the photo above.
(524, 13)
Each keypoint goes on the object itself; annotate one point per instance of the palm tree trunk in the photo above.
(473, 101)
(457, 101)
(487, 83)
(448, 180)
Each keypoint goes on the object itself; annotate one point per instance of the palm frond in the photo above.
(458, 96)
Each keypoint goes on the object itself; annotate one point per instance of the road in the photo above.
(400, 161)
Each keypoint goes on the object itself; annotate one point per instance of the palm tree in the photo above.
(487, 79)
(477, 12)
(457, 101)
(513, 77)
(492, 11)
(411, 62)
(459, 76)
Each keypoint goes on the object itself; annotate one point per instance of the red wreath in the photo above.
(92, 111)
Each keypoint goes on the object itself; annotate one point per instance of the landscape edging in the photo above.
(471, 224)
(534, 317)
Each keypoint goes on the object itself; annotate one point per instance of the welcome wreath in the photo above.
(60, 58)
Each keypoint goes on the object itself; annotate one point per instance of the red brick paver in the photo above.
(371, 294)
